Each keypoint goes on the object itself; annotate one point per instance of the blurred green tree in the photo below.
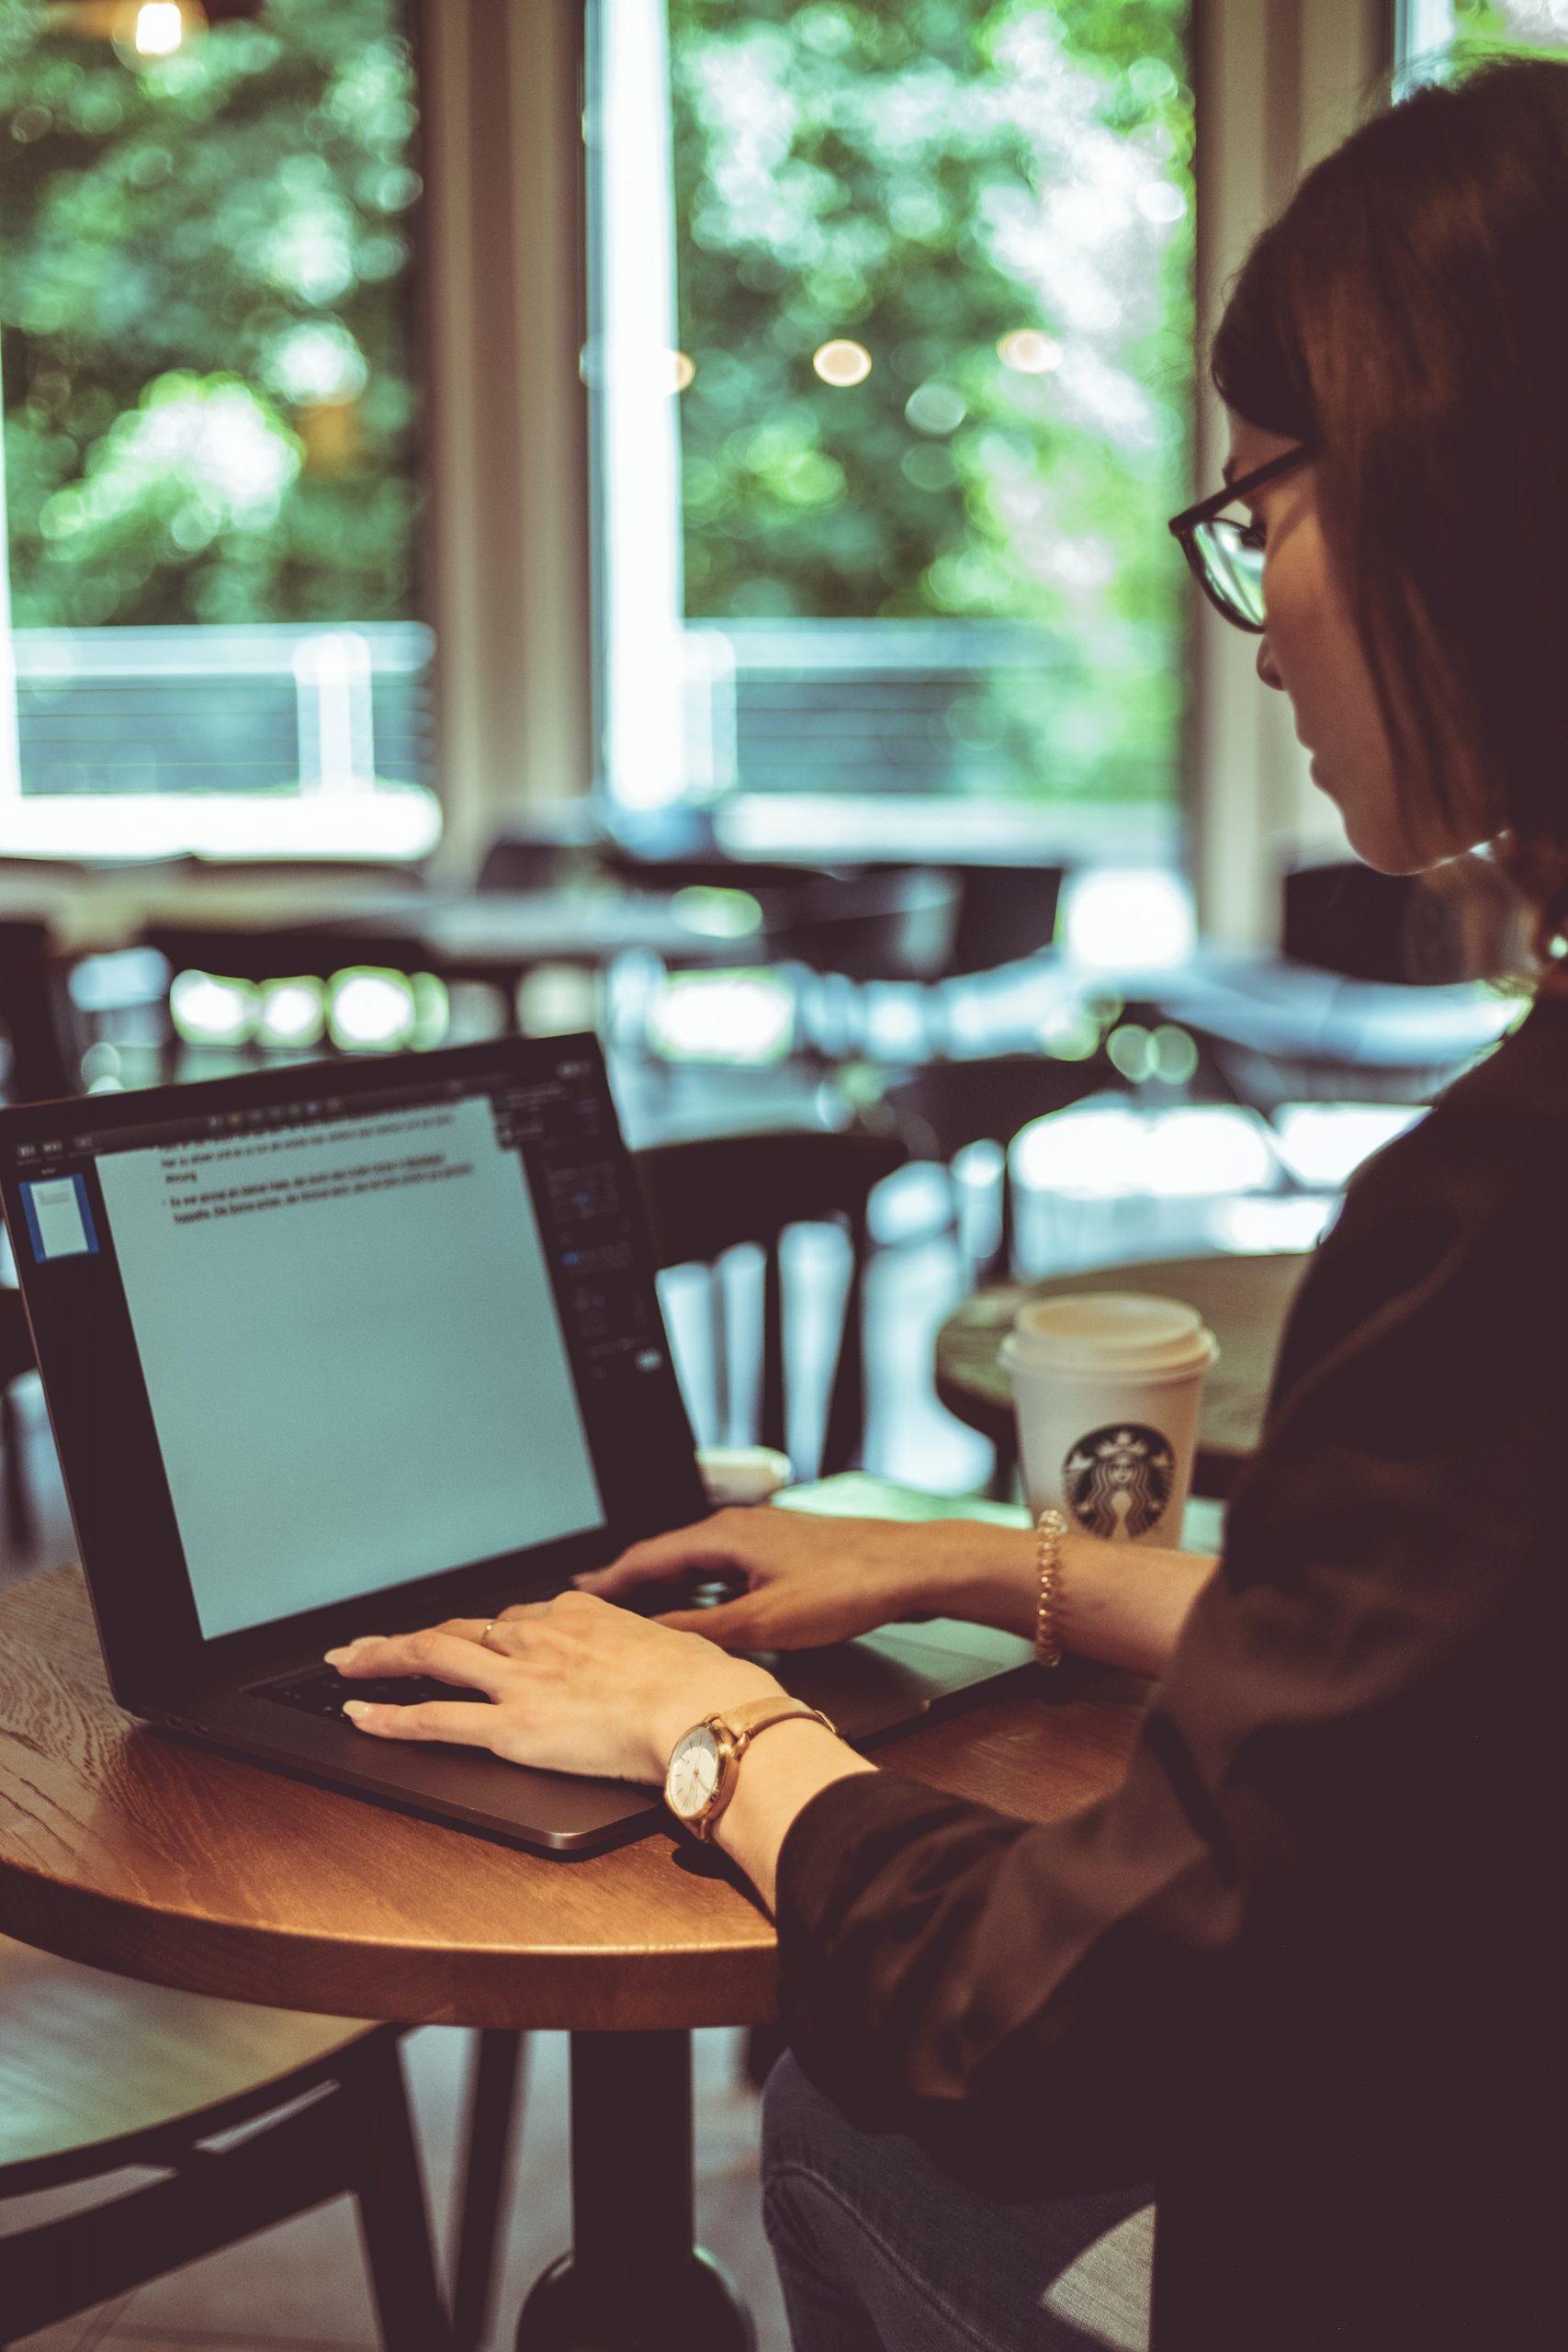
(205, 318)
(1530, 28)
(992, 200)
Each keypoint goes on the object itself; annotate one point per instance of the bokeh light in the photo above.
(292, 1012)
(929, 467)
(680, 369)
(209, 1009)
(843, 363)
(158, 28)
(1030, 352)
(936, 407)
(371, 1010)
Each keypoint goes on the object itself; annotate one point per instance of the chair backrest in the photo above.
(523, 860)
(893, 925)
(1421, 932)
(946, 1106)
(45, 1037)
(1006, 914)
(711, 1194)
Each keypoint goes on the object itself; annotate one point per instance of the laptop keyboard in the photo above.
(323, 1690)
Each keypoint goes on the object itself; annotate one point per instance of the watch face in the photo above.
(693, 1774)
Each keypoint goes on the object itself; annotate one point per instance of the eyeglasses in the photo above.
(1226, 555)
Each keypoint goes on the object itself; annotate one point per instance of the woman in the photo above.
(1298, 1978)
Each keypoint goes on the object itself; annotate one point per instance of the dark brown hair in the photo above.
(1408, 312)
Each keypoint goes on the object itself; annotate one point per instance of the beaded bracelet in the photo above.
(1050, 1529)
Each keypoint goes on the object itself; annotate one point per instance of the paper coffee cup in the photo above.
(1106, 1387)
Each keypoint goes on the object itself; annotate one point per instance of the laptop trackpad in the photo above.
(888, 1680)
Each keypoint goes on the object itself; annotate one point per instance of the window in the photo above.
(1427, 29)
(212, 402)
(892, 360)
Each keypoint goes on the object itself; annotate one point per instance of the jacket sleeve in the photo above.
(953, 1973)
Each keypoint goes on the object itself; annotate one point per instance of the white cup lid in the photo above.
(1114, 1331)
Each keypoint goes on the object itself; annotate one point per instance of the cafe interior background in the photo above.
(652, 517)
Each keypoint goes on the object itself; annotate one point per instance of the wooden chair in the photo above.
(943, 1108)
(889, 927)
(99, 2073)
(44, 1035)
(713, 1193)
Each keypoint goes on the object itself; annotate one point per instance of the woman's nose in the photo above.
(1266, 669)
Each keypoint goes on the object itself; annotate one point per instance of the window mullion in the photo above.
(1276, 88)
(509, 570)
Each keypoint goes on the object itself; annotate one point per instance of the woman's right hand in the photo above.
(809, 1579)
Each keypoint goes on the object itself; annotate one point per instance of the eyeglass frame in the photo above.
(1212, 509)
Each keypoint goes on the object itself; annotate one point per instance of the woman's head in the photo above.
(1407, 316)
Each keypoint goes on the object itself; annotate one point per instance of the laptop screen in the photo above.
(348, 1339)
(364, 1322)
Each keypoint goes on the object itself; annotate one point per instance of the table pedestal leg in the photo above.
(633, 2281)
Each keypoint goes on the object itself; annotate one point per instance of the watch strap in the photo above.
(744, 1723)
(736, 1729)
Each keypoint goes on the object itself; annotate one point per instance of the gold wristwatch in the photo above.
(704, 1763)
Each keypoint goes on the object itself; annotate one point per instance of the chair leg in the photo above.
(1004, 1471)
(1007, 1248)
(764, 2046)
(488, 2134)
(394, 2220)
(21, 1514)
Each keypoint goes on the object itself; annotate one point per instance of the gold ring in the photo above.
(485, 1631)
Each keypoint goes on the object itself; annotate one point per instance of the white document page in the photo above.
(57, 1206)
(351, 1346)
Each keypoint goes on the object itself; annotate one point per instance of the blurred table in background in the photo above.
(1243, 1300)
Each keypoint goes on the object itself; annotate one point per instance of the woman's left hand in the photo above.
(575, 1685)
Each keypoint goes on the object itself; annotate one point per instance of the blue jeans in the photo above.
(879, 2251)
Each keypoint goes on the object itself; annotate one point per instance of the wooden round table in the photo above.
(1243, 1300)
(161, 1858)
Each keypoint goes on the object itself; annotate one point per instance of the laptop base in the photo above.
(872, 1689)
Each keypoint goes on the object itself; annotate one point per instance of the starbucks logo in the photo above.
(1118, 1480)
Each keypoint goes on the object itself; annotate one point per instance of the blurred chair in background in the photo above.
(1380, 995)
(44, 1034)
(680, 849)
(714, 1194)
(1408, 929)
(944, 1109)
(1006, 917)
(556, 852)
(889, 929)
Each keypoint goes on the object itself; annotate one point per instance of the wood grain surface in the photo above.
(1243, 1300)
(160, 1859)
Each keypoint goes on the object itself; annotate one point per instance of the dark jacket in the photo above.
(1304, 1970)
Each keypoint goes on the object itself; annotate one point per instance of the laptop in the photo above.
(353, 1347)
